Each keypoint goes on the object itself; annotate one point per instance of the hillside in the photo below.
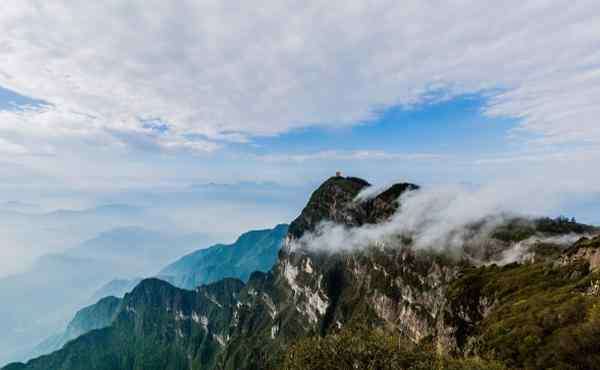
(44, 298)
(386, 304)
(96, 316)
(253, 251)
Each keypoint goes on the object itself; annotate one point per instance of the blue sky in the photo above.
(452, 127)
(10, 100)
(101, 102)
(433, 142)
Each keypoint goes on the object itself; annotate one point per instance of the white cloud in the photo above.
(354, 155)
(228, 71)
(6, 147)
(441, 217)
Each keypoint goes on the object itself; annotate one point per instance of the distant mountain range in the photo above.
(96, 316)
(115, 288)
(253, 251)
(31, 233)
(382, 305)
(43, 299)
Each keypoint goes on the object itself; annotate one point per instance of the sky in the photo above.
(130, 102)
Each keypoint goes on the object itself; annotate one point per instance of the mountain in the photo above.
(146, 250)
(385, 304)
(28, 233)
(107, 210)
(44, 298)
(158, 327)
(115, 288)
(252, 251)
(97, 316)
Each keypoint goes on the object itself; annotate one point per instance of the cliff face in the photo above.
(317, 292)
(335, 200)
(444, 303)
(585, 249)
(158, 326)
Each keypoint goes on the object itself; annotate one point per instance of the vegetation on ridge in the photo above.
(380, 307)
(372, 349)
(539, 316)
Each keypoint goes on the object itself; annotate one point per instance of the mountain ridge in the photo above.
(253, 250)
(448, 307)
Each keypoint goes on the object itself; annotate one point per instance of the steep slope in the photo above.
(448, 305)
(387, 285)
(318, 292)
(256, 299)
(541, 315)
(158, 327)
(44, 298)
(253, 251)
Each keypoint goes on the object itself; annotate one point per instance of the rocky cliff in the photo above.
(451, 306)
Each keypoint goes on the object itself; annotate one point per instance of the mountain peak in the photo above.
(433, 304)
(253, 250)
(336, 200)
(326, 203)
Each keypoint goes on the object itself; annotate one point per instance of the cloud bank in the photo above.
(214, 73)
(441, 218)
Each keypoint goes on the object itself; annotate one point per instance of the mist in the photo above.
(53, 261)
(521, 252)
(442, 217)
(221, 211)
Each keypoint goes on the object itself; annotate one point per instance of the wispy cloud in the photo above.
(355, 155)
(441, 217)
(552, 155)
(212, 69)
(6, 147)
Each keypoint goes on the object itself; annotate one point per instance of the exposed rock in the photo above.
(584, 249)
(424, 296)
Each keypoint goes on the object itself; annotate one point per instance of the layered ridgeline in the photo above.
(39, 302)
(97, 316)
(255, 250)
(352, 290)
(115, 288)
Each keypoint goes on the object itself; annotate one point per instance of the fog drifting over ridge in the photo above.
(441, 217)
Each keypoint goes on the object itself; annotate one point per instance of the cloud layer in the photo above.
(217, 72)
(443, 218)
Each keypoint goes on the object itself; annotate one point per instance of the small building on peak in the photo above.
(338, 174)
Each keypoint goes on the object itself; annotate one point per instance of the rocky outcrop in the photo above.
(585, 249)
(335, 201)
(432, 299)
(318, 292)
(331, 201)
